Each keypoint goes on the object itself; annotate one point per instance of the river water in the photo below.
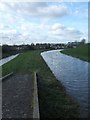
(72, 73)
(7, 59)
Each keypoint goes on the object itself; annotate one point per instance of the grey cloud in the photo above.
(65, 32)
(40, 9)
(26, 6)
(74, 32)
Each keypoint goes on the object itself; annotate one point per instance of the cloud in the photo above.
(57, 26)
(40, 9)
(73, 31)
(4, 26)
(1, 26)
(37, 22)
(33, 32)
(12, 31)
(64, 32)
(53, 11)
(2, 6)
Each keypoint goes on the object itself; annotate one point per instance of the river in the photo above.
(72, 73)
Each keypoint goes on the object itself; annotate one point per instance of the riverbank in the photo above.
(53, 99)
(81, 52)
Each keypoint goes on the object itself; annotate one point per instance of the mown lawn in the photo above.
(53, 100)
(81, 52)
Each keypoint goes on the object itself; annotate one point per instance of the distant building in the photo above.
(75, 44)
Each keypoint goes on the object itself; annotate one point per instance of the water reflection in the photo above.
(73, 74)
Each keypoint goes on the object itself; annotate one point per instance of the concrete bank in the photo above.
(36, 113)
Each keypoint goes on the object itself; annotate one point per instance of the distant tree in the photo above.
(32, 46)
(6, 48)
(83, 41)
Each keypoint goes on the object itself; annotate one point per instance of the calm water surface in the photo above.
(72, 73)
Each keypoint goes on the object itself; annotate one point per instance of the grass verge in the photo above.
(81, 52)
(53, 99)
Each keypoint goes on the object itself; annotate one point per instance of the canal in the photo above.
(72, 73)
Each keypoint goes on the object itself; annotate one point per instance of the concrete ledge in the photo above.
(6, 76)
(36, 113)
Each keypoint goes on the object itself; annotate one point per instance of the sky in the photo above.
(43, 22)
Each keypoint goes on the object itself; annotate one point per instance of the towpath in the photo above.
(17, 96)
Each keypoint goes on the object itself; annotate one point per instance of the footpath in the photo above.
(18, 96)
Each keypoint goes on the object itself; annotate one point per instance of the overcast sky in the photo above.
(43, 22)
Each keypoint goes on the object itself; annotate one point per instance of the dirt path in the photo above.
(17, 94)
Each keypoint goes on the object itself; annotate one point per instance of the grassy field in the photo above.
(53, 99)
(81, 52)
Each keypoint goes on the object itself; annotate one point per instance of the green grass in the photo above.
(81, 52)
(53, 99)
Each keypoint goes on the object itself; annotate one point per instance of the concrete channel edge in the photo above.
(36, 113)
(6, 76)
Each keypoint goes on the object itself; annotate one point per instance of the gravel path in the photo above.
(17, 96)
